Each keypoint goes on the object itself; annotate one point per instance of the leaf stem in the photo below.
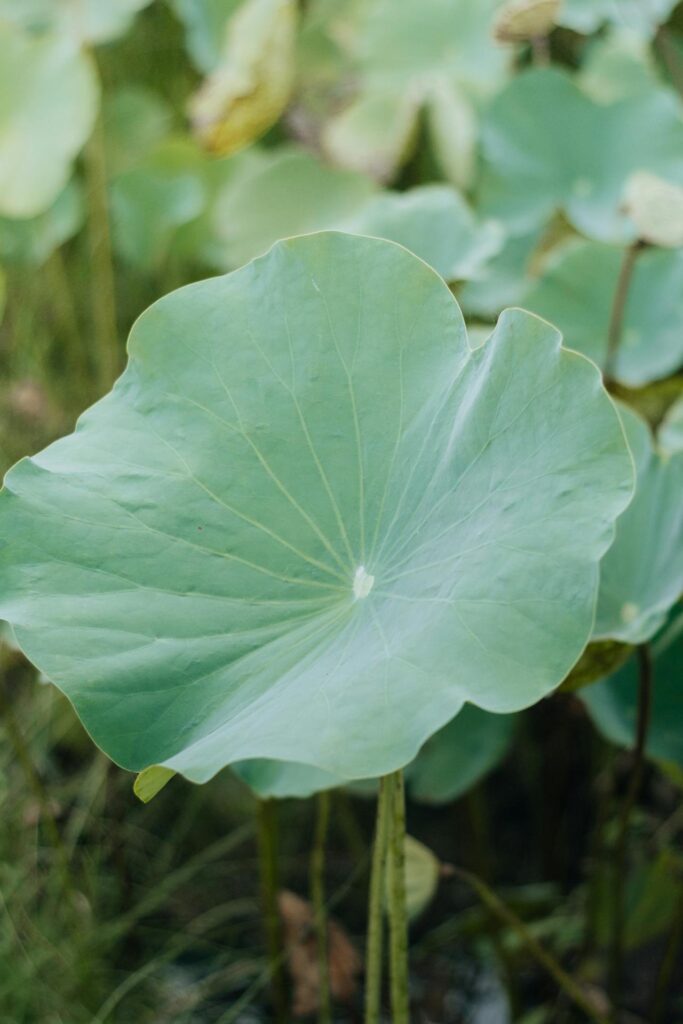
(540, 51)
(266, 820)
(319, 909)
(398, 911)
(107, 353)
(668, 965)
(616, 321)
(373, 954)
(645, 679)
(566, 983)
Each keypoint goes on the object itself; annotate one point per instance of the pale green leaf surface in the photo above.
(503, 280)
(375, 134)
(548, 147)
(618, 65)
(48, 101)
(641, 576)
(309, 522)
(30, 241)
(459, 755)
(576, 292)
(613, 702)
(205, 23)
(135, 120)
(151, 781)
(284, 780)
(422, 874)
(90, 21)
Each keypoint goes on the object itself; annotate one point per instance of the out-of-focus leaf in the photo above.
(576, 292)
(547, 146)
(292, 193)
(151, 202)
(601, 658)
(30, 241)
(422, 871)
(612, 703)
(85, 21)
(618, 65)
(48, 102)
(641, 576)
(504, 280)
(435, 223)
(459, 755)
(671, 431)
(205, 24)
(641, 16)
(656, 208)
(135, 121)
(431, 54)
(252, 84)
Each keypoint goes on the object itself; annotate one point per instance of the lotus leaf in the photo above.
(86, 21)
(309, 522)
(48, 102)
(671, 430)
(576, 292)
(547, 146)
(641, 576)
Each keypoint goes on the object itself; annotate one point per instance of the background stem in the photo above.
(373, 953)
(318, 901)
(621, 848)
(107, 354)
(616, 322)
(267, 841)
(398, 913)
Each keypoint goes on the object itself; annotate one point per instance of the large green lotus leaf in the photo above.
(30, 241)
(289, 193)
(641, 16)
(641, 576)
(613, 702)
(152, 201)
(292, 193)
(48, 101)
(671, 429)
(309, 522)
(86, 21)
(459, 755)
(576, 292)
(547, 146)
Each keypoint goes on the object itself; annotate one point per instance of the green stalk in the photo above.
(621, 848)
(373, 956)
(107, 354)
(319, 909)
(667, 966)
(616, 323)
(266, 820)
(508, 917)
(398, 912)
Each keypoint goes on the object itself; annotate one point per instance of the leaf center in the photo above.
(363, 582)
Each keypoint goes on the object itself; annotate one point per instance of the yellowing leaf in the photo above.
(151, 781)
(422, 870)
(523, 20)
(251, 87)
